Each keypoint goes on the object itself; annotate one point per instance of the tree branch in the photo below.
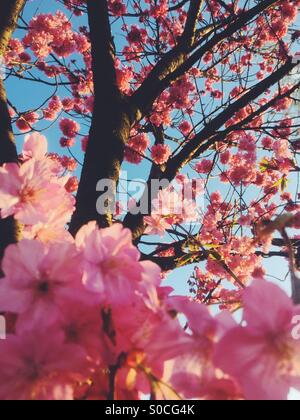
(189, 33)
(181, 258)
(145, 96)
(232, 27)
(220, 136)
(208, 136)
(189, 151)
(175, 64)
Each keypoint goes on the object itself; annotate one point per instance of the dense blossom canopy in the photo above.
(204, 95)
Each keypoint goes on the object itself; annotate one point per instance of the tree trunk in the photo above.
(111, 123)
(104, 156)
(10, 11)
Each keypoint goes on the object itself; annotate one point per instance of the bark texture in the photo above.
(9, 14)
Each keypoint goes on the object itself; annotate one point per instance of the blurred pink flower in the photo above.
(39, 366)
(35, 146)
(28, 191)
(156, 225)
(38, 282)
(110, 261)
(263, 356)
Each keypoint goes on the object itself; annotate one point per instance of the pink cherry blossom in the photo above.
(72, 184)
(221, 389)
(137, 35)
(117, 7)
(148, 345)
(186, 128)
(136, 148)
(160, 154)
(39, 279)
(27, 193)
(54, 229)
(39, 366)
(26, 122)
(109, 254)
(70, 128)
(170, 206)
(263, 356)
(185, 373)
(156, 225)
(35, 146)
(82, 326)
(49, 32)
(204, 167)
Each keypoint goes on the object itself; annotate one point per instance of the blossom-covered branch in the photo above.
(201, 142)
(155, 149)
(180, 60)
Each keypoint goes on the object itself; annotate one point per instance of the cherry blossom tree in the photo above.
(199, 99)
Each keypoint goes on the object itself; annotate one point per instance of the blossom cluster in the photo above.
(51, 32)
(36, 192)
(85, 311)
(57, 35)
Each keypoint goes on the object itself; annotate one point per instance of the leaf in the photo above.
(186, 259)
(264, 165)
(211, 246)
(193, 247)
(131, 379)
(282, 183)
